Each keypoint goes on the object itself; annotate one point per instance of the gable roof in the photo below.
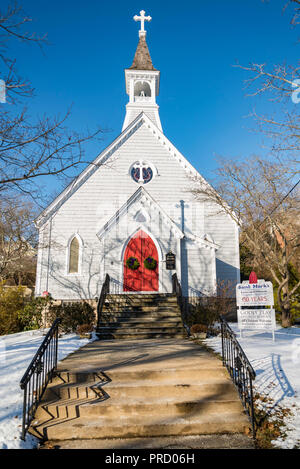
(140, 194)
(141, 119)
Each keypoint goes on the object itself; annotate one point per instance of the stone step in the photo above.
(217, 390)
(141, 326)
(61, 409)
(132, 296)
(197, 371)
(113, 328)
(141, 308)
(161, 388)
(138, 301)
(156, 309)
(73, 392)
(214, 441)
(185, 375)
(157, 407)
(85, 378)
(137, 375)
(138, 306)
(139, 336)
(129, 407)
(159, 315)
(132, 330)
(140, 321)
(137, 426)
(143, 315)
(126, 313)
(208, 390)
(106, 322)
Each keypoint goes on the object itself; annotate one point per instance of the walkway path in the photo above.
(133, 393)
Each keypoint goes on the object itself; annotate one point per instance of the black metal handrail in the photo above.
(104, 292)
(176, 289)
(38, 374)
(239, 368)
(117, 287)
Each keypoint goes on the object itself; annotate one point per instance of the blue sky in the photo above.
(194, 44)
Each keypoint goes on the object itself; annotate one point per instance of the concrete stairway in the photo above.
(160, 389)
(140, 316)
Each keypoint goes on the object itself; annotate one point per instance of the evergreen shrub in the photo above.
(72, 315)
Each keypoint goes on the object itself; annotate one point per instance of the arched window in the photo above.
(74, 256)
(142, 89)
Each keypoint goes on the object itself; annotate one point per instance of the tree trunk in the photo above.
(286, 317)
(284, 299)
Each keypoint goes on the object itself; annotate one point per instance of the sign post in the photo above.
(250, 295)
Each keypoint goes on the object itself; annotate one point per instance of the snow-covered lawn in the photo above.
(277, 367)
(16, 352)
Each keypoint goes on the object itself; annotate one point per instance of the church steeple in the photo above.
(142, 81)
(142, 59)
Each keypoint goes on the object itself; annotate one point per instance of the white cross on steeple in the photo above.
(142, 19)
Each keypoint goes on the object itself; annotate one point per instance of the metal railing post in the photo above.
(37, 376)
(240, 370)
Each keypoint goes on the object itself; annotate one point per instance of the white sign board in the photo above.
(254, 294)
(257, 319)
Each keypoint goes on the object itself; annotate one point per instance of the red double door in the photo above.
(140, 246)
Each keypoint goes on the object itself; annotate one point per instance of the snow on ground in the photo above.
(16, 352)
(277, 367)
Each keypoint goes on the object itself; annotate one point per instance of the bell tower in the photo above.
(142, 81)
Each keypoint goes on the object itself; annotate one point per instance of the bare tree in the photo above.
(30, 149)
(255, 194)
(281, 85)
(296, 13)
(262, 196)
(17, 241)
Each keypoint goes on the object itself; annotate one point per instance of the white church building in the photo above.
(130, 213)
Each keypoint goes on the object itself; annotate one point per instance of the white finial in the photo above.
(142, 19)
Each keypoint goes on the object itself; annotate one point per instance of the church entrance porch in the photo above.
(140, 264)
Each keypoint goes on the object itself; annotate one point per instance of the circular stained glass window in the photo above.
(141, 172)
